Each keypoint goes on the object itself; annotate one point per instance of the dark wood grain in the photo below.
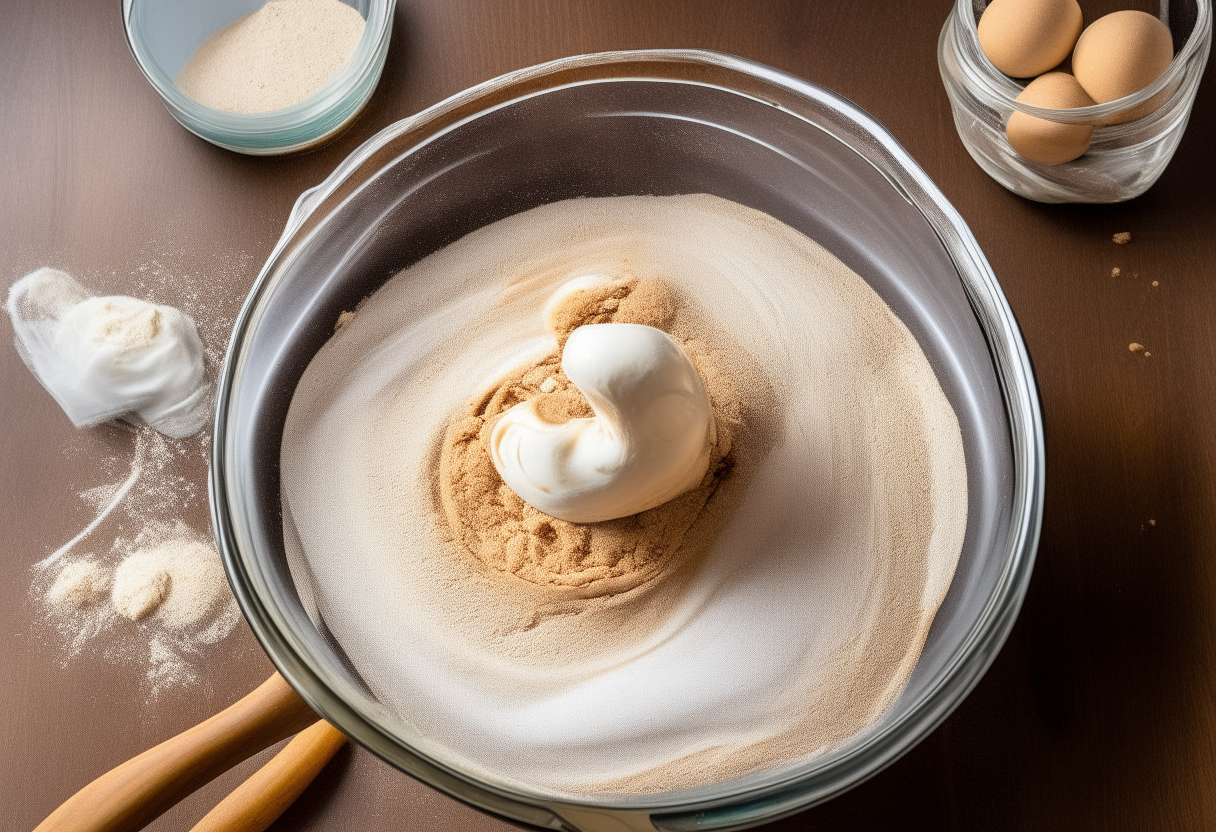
(1100, 713)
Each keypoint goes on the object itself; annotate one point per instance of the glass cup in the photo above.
(1123, 160)
(163, 34)
(621, 123)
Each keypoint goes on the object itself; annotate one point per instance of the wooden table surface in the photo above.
(1100, 712)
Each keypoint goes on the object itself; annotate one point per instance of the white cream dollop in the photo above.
(105, 357)
(648, 442)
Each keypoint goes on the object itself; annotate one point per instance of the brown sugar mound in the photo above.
(507, 534)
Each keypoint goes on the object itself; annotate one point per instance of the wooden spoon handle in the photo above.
(130, 796)
(258, 802)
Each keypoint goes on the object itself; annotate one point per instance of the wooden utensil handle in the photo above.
(130, 796)
(258, 802)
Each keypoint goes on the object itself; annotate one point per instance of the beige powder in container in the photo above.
(276, 57)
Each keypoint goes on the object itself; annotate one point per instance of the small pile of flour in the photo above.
(179, 578)
(167, 573)
(79, 584)
(155, 594)
(140, 586)
(161, 596)
(278, 56)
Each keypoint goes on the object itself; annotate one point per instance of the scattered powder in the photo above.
(168, 665)
(150, 485)
(343, 319)
(152, 592)
(1122, 238)
(1115, 272)
(203, 292)
(79, 584)
(140, 585)
(107, 498)
(157, 597)
(508, 534)
(278, 56)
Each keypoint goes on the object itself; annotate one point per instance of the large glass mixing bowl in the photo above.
(649, 122)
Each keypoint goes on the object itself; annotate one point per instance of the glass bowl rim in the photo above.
(782, 795)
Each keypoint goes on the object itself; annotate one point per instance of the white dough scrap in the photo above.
(108, 357)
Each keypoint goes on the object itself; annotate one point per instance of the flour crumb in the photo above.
(140, 586)
(548, 385)
(1134, 347)
(1115, 272)
(79, 584)
(183, 575)
(1156, 283)
(167, 666)
(1122, 238)
(343, 319)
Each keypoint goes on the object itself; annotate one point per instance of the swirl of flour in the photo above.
(790, 612)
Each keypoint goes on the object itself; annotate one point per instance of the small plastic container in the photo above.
(1123, 159)
(163, 34)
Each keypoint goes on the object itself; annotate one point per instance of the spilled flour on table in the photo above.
(138, 582)
(136, 586)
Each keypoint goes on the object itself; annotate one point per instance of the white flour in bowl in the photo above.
(278, 56)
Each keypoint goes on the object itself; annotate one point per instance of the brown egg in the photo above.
(1024, 38)
(1120, 54)
(1046, 141)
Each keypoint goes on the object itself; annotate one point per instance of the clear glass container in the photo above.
(164, 34)
(1123, 160)
(648, 122)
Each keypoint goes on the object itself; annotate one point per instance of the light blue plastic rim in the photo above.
(309, 123)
